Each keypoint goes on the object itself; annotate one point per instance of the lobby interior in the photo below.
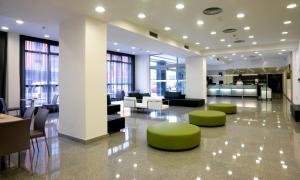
(139, 89)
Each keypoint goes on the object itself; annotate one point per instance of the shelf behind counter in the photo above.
(232, 90)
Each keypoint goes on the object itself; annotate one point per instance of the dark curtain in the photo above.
(3, 62)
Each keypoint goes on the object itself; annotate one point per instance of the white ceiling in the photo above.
(265, 17)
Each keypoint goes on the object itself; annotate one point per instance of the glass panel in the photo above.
(36, 46)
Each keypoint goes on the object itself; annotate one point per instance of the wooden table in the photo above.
(4, 118)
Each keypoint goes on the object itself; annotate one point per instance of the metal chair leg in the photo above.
(37, 145)
(47, 146)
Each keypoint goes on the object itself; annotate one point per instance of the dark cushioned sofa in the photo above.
(112, 108)
(178, 99)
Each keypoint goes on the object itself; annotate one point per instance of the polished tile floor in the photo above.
(261, 141)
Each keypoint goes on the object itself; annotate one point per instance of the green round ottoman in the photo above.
(207, 118)
(224, 107)
(173, 136)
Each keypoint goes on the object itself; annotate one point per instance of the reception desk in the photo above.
(232, 90)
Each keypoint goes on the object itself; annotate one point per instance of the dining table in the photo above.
(5, 118)
(32, 101)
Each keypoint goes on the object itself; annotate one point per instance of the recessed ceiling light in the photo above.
(185, 37)
(284, 33)
(133, 47)
(282, 40)
(200, 22)
(233, 54)
(213, 33)
(240, 15)
(260, 54)
(118, 50)
(254, 43)
(148, 51)
(46, 36)
(141, 16)
(229, 45)
(222, 40)
(246, 28)
(207, 48)
(100, 9)
(287, 22)
(251, 37)
(19, 21)
(213, 55)
(256, 52)
(5, 28)
(279, 53)
(291, 6)
(115, 43)
(179, 6)
(167, 28)
(283, 50)
(225, 57)
(197, 43)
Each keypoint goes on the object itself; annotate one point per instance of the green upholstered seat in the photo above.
(224, 107)
(207, 118)
(173, 136)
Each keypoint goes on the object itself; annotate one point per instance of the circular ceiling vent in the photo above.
(230, 30)
(212, 11)
(239, 41)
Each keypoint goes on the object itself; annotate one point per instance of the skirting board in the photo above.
(81, 140)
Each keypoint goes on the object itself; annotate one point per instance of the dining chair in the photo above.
(15, 137)
(39, 127)
(28, 113)
(4, 109)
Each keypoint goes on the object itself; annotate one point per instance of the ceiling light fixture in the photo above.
(46, 36)
(229, 45)
(240, 15)
(284, 33)
(167, 28)
(115, 43)
(279, 53)
(287, 22)
(19, 21)
(213, 33)
(207, 47)
(282, 40)
(179, 6)
(291, 6)
(118, 50)
(234, 54)
(5, 28)
(197, 43)
(246, 28)
(141, 16)
(133, 47)
(185, 37)
(100, 9)
(222, 40)
(200, 22)
(254, 43)
(251, 37)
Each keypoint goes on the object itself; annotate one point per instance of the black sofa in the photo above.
(178, 99)
(112, 108)
(295, 110)
(139, 96)
(115, 123)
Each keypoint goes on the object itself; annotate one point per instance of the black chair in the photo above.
(28, 113)
(39, 127)
(4, 109)
(53, 107)
(119, 96)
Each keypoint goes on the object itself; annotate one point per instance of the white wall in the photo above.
(196, 77)
(296, 75)
(244, 64)
(83, 78)
(142, 73)
(13, 70)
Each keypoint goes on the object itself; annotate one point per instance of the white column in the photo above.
(196, 77)
(296, 76)
(13, 70)
(142, 73)
(82, 66)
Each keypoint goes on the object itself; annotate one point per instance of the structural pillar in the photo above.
(296, 76)
(83, 105)
(196, 78)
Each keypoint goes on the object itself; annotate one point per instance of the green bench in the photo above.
(224, 107)
(207, 118)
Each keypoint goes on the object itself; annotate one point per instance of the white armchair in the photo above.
(129, 102)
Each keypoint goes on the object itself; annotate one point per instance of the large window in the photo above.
(167, 73)
(120, 73)
(40, 69)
